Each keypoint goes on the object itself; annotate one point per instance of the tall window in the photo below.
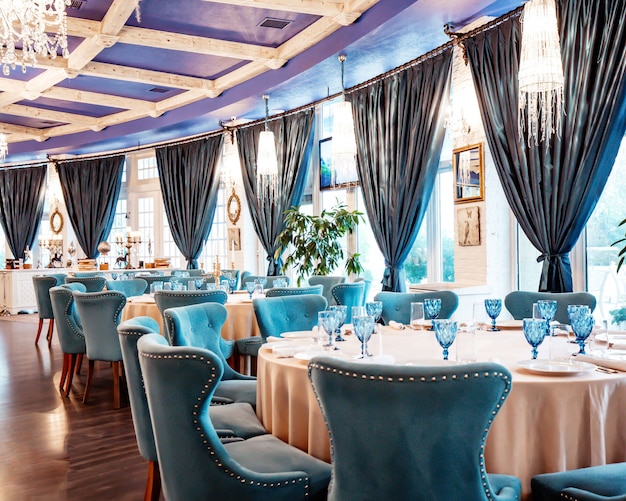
(120, 222)
(145, 226)
(147, 168)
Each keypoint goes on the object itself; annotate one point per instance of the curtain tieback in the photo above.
(551, 257)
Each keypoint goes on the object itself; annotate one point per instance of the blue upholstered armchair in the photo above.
(351, 294)
(433, 449)
(596, 483)
(294, 291)
(70, 331)
(194, 463)
(42, 286)
(91, 283)
(99, 314)
(327, 281)
(397, 305)
(520, 303)
(131, 287)
(200, 325)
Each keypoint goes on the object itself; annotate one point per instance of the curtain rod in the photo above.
(458, 39)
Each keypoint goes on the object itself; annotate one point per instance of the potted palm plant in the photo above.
(312, 243)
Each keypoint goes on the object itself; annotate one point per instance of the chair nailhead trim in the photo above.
(196, 421)
(423, 379)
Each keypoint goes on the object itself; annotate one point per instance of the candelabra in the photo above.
(126, 243)
(217, 271)
(54, 246)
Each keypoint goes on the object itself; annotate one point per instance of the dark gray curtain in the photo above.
(400, 133)
(294, 141)
(189, 183)
(553, 188)
(91, 188)
(22, 195)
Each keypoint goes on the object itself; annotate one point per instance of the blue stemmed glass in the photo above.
(329, 320)
(363, 329)
(445, 332)
(250, 288)
(199, 283)
(575, 309)
(493, 308)
(535, 332)
(582, 325)
(547, 310)
(432, 308)
(342, 311)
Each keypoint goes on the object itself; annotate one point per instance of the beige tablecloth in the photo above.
(240, 322)
(547, 424)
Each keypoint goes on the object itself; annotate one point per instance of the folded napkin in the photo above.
(286, 351)
(609, 358)
(396, 325)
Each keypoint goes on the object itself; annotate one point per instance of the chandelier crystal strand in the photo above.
(267, 161)
(27, 23)
(540, 72)
(343, 147)
(4, 147)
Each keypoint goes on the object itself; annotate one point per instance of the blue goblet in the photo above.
(582, 325)
(445, 333)
(535, 332)
(328, 321)
(493, 308)
(432, 308)
(342, 311)
(576, 309)
(250, 288)
(363, 330)
(547, 310)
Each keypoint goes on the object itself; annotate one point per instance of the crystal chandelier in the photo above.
(343, 147)
(27, 23)
(4, 147)
(266, 160)
(540, 72)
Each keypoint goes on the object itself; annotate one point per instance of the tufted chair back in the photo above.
(276, 315)
(92, 283)
(441, 417)
(195, 465)
(327, 281)
(131, 287)
(351, 294)
(397, 305)
(42, 285)
(520, 303)
(294, 291)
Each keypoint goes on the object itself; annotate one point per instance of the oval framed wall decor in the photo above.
(56, 222)
(233, 207)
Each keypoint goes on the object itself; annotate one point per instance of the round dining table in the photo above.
(240, 321)
(551, 421)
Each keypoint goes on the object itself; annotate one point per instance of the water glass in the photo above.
(535, 332)
(358, 311)
(363, 330)
(493, 307)
(199, 283)
(466, 343)
(374, 309)
(576, 309)
(261, 283)
(326, 325)
(417, 316)
(582, 325)
(342, 312)
(445, 333)
(250, 286)
(432, 308)
(156, 286)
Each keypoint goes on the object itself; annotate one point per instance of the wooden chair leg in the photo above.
(70, 373)
(153, 485)
(117, 375)
(64, 371)
(50, 331)
(79, 363)
(89, 378)
(39, 330)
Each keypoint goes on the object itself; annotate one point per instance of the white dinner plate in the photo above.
(299, 334)
(556, 367)
(617, 341)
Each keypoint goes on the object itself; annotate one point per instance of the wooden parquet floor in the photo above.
(54, 448)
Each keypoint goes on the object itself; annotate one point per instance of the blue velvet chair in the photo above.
(240, 417)
(294, 291)
(411, 432)
(242, 279)
(42, 286)
(350, 294)
(131, 287)
(174, 299)
(368, 285)
(596, 483)
(200, 325)
(520, 303)
(327, 281)
(275, 315)
(69, 330)
(99, 314)
(195, 465)
(91, 283)
(397, 305)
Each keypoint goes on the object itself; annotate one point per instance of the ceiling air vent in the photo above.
(76, 4)
(278, 24)
(159, 90)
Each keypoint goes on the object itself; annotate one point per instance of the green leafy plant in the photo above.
(312, 242)
(622, 250)
(619, 315)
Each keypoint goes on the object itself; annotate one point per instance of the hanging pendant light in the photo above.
(343, 147)
(540, 72)
(266, 161)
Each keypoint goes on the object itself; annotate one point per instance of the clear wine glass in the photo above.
(582, 325)
(363, 330)
(445, 332)
(432, 308)
(250, 288)
(493, 308)
(261, 282)
(535, 332)
(342, 311)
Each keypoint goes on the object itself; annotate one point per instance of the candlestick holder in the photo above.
(217, 271)
(125, 245)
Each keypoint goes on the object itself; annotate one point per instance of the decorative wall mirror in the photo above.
(233, 207)
(56, 222)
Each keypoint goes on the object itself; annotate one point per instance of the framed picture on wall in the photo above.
(469, 183)
(328, 175)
